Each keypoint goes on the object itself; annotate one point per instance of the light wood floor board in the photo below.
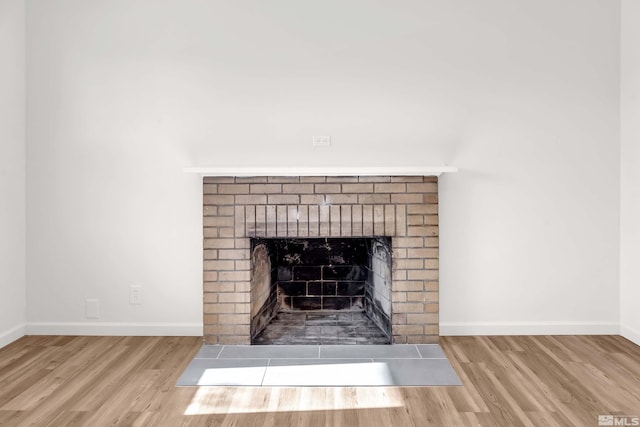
(130, 381)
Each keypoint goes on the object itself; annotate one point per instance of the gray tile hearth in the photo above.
(371, 351)
(241, 372)
(209, 352)
(268, 351)
(320, 366)
(416, 372)
(326, 372)
(431, 351)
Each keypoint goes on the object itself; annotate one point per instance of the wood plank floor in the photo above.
(508, 381)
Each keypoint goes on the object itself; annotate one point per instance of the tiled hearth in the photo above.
(400, 209)
(320, 366)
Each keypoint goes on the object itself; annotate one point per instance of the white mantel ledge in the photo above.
(246, 171)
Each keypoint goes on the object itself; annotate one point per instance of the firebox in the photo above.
(321, 291)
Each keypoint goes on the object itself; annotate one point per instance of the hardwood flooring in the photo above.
(508, 381)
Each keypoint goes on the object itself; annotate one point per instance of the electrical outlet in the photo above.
(321, 141)
(92, 308)
(135, 295)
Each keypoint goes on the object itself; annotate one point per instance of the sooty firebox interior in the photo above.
(321, 291)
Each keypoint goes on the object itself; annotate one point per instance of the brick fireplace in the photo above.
(402, 209)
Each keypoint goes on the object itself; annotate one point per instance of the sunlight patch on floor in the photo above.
(232, 376)
(243, 400)
(330, 374)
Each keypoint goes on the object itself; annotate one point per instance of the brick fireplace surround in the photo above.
(404, 208)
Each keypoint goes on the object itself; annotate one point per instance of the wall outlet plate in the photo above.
(135, 295)
(321, 141)
(92, 308)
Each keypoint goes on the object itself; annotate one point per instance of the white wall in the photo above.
(630, 173)
(530, 226)
(521, 95)
(12, 170)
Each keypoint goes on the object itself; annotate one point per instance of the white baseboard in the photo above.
(630, 334)
(195, 329)
(529, 328)
(114, 328)
(10, 335)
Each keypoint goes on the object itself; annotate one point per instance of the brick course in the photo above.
(403, 208)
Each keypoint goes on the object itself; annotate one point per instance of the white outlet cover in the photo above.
(135, 295)
(92, 308)
(321, 141)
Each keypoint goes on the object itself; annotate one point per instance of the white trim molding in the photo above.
(115, 328)
(529, 328)
(11, 335)
(630, 334)
(245, 171)
(195, 329)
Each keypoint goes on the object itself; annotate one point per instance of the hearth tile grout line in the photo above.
(264, 374)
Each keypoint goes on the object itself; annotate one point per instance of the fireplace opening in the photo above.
(321, 290)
